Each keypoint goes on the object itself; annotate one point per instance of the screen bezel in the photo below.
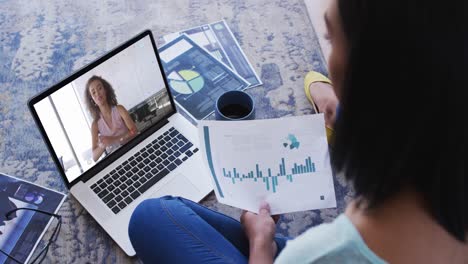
(123, 149)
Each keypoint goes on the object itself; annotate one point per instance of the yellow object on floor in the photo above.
(310, 78)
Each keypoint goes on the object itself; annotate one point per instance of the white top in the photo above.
(336, 242)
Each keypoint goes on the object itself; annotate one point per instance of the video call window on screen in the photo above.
(106, 107)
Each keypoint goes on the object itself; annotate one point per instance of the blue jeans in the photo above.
(176, 230)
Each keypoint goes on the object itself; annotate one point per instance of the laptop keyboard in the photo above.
(145, 168)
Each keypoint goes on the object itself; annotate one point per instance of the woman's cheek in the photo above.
(336, 66)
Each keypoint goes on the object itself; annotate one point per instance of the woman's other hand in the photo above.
(106, 140)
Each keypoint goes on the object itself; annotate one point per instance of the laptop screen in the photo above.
(106, 107)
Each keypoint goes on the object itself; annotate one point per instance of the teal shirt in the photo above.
(336, 242)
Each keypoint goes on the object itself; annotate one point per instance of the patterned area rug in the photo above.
(44, 41)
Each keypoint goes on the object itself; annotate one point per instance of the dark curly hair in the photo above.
(110, 96)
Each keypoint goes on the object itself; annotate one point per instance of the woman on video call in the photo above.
(112, 125)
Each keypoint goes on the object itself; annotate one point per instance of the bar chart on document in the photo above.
(284, 162)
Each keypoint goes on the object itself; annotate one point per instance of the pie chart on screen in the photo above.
(186, 81)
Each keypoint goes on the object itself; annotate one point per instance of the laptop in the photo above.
(116, 137)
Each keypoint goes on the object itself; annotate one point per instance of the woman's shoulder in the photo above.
(331, 243)
(326, 236)
(121, 109)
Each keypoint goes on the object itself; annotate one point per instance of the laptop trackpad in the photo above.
(178, 186)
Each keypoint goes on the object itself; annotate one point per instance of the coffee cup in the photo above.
(235, 105)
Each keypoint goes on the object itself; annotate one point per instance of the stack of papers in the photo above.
(20, 234)
(202, 63)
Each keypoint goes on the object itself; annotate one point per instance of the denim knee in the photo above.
(145, 211)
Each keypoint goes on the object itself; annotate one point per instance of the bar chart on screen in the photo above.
(288, 167)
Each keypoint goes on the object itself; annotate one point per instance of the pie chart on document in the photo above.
(186, 81)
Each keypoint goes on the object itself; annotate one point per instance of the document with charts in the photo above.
(284, 162)
(195, 77)
(21, 232)
(218, 39)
